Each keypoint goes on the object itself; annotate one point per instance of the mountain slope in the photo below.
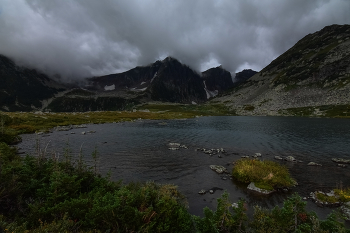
(22, 88)
(311, 78)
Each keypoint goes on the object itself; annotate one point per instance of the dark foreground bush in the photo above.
(39, 194)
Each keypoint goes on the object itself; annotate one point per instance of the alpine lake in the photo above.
(139, 151)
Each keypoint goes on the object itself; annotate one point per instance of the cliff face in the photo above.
(216, 80)
(175, 82)
(23, 89)
(309, 79)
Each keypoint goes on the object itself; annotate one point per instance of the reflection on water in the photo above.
(138, 151)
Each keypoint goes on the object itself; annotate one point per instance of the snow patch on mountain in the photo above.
(210, 94)
(110, 88)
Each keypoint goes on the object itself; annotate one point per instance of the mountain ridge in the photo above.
(310, 79)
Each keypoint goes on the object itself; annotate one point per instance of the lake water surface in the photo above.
(138, 151)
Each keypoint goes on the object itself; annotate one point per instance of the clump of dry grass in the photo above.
(265, 174)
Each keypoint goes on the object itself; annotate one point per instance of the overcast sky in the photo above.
(80, 38)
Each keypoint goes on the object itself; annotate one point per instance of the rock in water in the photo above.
(217, 168)
(290, 159)
(252, 187)
(202, 191)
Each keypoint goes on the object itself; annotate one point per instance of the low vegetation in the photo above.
(340, 195)
(265, 174)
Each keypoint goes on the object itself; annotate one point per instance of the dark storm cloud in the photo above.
(87, 37)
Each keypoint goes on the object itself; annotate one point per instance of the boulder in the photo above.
(278, 157)
(252, 187)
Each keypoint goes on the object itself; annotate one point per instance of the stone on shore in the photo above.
(346, 210)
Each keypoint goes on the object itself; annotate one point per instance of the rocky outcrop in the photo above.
(310, 79)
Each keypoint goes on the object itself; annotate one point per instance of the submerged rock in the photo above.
(314, 164)
(252, 187)
(278, 157)
(341, 165)
(245, 156)
(174, 144)
(173, 148)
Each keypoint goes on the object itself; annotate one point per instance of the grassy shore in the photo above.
(29, 122)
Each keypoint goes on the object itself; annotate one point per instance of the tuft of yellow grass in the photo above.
(265, 174)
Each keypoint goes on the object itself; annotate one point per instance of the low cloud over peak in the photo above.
(82, 38)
